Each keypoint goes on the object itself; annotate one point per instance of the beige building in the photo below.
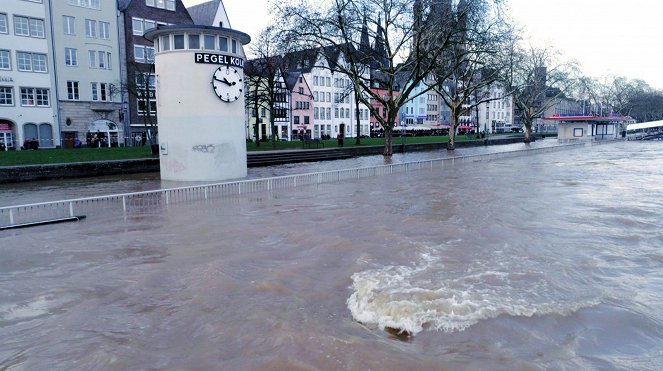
(86, 56)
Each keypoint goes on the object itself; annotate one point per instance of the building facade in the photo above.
(496, 114)
(139, 104)
(87, 66)
(28, 103)
(301, 105)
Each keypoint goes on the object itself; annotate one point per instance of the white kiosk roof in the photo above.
(645, 125)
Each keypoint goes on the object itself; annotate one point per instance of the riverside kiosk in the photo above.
(200, 102)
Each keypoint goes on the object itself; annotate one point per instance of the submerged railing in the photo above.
(147, 202)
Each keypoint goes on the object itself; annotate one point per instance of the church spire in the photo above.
(364, 42)
(379, 47)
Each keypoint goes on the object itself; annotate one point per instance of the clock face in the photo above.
(227, 83)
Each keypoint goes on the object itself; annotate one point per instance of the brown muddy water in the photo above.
(550, 261)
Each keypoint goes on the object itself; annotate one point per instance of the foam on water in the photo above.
(411, 299)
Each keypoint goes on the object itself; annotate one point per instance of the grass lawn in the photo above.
(56, 156)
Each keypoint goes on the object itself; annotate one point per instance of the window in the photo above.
(68, 25)
(147, 24)
(31, 62)
(161, 4)
(301, 90)
(208, 42)
(336, 112)
(104, 30)
(91, 28)
(101, 91)
(70, 58)
(35, 97)
(21, 26)
(178, 42)
(72, 90)
(24, 61)
(165, 42)
(234, 44)
(6, 96)
(328, 113)
(3, 23)
(146, 94)
(92, 4)
(194, 41)
(102, 60)
(149, 56)
(24, 26)
(37, 27)
(315, 113)
(93, 58)
(223, 44)
(5, 60)
(137, 25)
(139, 53)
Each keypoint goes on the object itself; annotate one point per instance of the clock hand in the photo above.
(225, 81)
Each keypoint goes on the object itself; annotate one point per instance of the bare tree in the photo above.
(536, 78)
(141, 85)
(411, 40)
(265, 78)
(474, 63)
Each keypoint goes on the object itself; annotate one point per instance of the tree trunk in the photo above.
(358, 141)
(528, 132)
(256, 128)
(388, 135)
(451, 145)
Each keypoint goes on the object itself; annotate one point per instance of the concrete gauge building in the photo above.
(200, 83)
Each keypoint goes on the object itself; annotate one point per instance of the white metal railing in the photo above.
(150, 201)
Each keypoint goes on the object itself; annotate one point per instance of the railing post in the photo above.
(71, 209)
(11, 216)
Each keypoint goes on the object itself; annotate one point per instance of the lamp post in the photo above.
(124, 117)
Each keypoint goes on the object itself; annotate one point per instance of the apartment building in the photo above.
(86, 57)
(28, 104)
(139, 103)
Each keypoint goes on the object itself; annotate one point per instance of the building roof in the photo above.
(291, 79)
(204, 14)
(645, 125)
(586, 118)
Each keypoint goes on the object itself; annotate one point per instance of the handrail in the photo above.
(11, 215)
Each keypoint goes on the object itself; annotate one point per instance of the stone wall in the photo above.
(15, 174)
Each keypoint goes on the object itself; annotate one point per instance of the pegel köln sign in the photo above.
(226, 60)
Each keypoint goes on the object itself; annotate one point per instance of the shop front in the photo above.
(102, 133)
(6, 135)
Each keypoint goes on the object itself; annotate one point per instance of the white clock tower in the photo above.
(200, 102)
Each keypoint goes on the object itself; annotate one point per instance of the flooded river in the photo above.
(549, 261)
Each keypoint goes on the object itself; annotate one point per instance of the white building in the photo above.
(86, 53)
(27, 102)
(496, 115)
(334, 100)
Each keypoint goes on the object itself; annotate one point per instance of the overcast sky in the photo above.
(617, 37)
